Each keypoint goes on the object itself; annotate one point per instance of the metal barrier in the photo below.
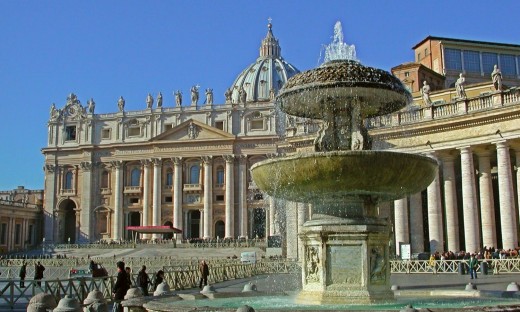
(494, 266)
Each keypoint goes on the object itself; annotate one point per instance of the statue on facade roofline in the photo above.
(54, 113)
(242, 95)
(425, 92)
(121, 103)
(459, 87)
(149, 101)
(178, 97)
(496, 76)
(194, 95)
(228, 95)
(159, 100)
(209, 96)
(91, 106)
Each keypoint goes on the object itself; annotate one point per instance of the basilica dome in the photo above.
(262, 80)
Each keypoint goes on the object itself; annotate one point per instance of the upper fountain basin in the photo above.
(339, 175)
(337, 84)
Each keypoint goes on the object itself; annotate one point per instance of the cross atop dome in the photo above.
(270, 46)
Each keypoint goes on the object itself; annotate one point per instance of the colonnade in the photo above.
(477, 198)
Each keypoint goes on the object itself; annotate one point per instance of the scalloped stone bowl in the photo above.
(333, 176)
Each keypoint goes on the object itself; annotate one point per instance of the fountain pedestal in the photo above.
(345, 261)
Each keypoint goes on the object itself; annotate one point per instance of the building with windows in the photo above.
(185, 165)
(20, 219)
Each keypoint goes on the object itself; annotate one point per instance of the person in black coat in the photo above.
(143, 280)
(121, 286)
(204, 272)
(23, 272)
(38, 272)
(159, 277)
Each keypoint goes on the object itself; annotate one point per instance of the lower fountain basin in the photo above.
(343, 175)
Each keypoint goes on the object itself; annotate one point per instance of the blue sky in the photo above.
(105, 49)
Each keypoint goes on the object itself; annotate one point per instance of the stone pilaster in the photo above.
(505, 187)
(117, 228)
(242, 195)
(51, 187)
(156, 196)
(416, 218)
(487, 206)
(469, 200)
(230, 202)
(208, 193)
(86, 203)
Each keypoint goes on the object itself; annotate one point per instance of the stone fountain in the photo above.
(346, 242)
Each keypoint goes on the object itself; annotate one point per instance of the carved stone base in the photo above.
(345, 262)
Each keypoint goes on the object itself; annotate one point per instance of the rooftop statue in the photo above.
(91, 106)
(159, 100)
(149, 101)
(242, 95)
(459, 87)
(194, 95)
(54, 113)
(228, 95)
(209, 96)
(425, 92)
(121, 103)
(178, 97)
(496, 76)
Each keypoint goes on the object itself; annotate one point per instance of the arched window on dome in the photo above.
(135, 177)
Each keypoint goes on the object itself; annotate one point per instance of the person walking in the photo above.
(159, 277)
(143, 280)
(120, 287)
(204, 272)
(38, 272)
(473, 264)
(23, 272)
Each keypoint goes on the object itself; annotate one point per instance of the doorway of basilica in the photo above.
(67, 222)
(194, 223)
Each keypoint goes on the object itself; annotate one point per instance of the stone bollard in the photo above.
(162, 289)
(513, 286)
(208, 289)
(245, 308)
(471, 286)
(42, 302)
(394, 287)
(249, 287)
(134, 301)
(95, 302)
(68, 304)
(484, 268)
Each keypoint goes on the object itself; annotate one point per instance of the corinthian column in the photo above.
(505, 187)
(435, 227)
(208, 193)
(469, 200)
(146, 192)
(177, 194)
(487, 206)
(402, 231)
(86, 202)
(450, 201)
(117, 229)
(230, 161)
(242, 195)
(156, 203)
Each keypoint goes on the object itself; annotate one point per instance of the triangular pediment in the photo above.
(192, 130)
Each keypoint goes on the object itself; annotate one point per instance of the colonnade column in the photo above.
(117, 229)
(450, 202)
(208, 193)
(242, 195)
(416, 220)
(435, 227)
(401, 227)
(469, 201)
(303, 211)
(517, 156)
(156, 200)
(230, 162)
(146, 194)
(487, 206)
(505, 186)
(272, 217)
(177, 195)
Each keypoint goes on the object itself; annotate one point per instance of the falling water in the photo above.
(339, 50)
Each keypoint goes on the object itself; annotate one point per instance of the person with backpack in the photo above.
(143, 280)
(121, 286)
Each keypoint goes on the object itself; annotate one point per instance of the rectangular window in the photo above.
(452, 59)
(134, 131)
(168, 199)
(489, 60)
(507, 65)
(219, 198)
(105, 134)
(219, 125)
(257, 124)
(17, 234)
(3, 234)
(407, 74)
(472, 61)
(134, 200)
(168, 127)
(70, 133)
